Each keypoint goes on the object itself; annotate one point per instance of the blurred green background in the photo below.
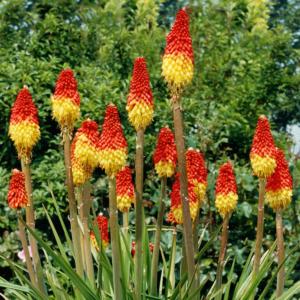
(241, 70)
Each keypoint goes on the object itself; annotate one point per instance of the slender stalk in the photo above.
(30, 221)
(155, 256)
(224, 239)
(172, 268)
(87, 201)
(72, 204)
(79, 196)
(113, 219)
(187, 222)
(139, 173)
(125, 223)
(280, 254)
(260, 225)
(28, 260)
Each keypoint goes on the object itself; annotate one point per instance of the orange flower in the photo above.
(279, 187)
(66, 100)
(263, 151)
(124, 189)
(85, 151)
(24, 127)
(226, 190)
(178, 59)
(165, 155)
(112, 145)
(175, 215)
(102, 223)
(17, 196)
(197, 173)
(140, 99)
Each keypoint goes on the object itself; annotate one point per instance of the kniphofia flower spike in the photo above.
(112, 145)
(17, 196)
(102, 223)
(279, 187)
(140, 99)
(66, 100)
(124, 189)
(226, 190)
(178, 59)
(263, 152)
(165, 155)
(24, 127)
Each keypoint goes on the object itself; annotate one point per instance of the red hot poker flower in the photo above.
(66, 100)
(197, 172)
(151, 248)
(17, 196)
(175, 215)
(124, 189)
(24, 127)
(279, 187)
(263, 151)
(140, 99)
(102, 223)
(226, 190)
(112, 145)
(165, 155)
(178, 59)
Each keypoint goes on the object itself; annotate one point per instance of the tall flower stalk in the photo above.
(279, 190)
(17, 198)
(165, 158)
(112, 158)
(66, 110)
(226, 201)
(263, 162)
(178, 69)
(140, 113)
(24, 131)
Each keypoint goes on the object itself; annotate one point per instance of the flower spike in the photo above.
(263, 150)
(175, 215)
(178, 59)
(279, 187)
(140, 99)
(124, 189)
(66, 100)
(24, 127)
(17, 196)
(165, 155)
(112, 144)
(226, 190)
(102, 223)
(197, 172)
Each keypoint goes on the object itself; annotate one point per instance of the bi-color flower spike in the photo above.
(178, 59)
(24, 127)
(102, 223)
(263, 150)
(175, 214)
(279, 187)
(17, 195)
(112, 145)
(66, 100)
(140, 99)
(165, 155)
(197, 172)
(226, 190)
(124, 189)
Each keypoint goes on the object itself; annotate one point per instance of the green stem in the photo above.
(30, 221)
(187, 222)
(115, 244)
(260, 225)
(139, 173)
(28, 260)
(280, 254)
(155, 256)
(224, 239)
(72, 204)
